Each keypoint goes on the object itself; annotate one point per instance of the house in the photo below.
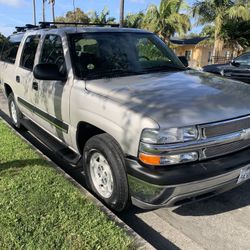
(199, 51)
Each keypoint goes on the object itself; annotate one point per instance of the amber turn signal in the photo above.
(150, 159)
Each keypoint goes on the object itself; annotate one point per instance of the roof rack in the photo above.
(46, 25)
(26, 27)
(53, 24)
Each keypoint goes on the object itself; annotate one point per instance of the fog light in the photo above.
(168, 159)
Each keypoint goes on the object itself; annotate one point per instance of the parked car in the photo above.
(146, 128)
(237, 69)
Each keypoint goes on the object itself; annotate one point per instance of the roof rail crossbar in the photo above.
(47, 24)
(20, 29)
(25, 28)
(31, 26)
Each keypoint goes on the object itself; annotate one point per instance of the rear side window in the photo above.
(10, 48)
(29, 52)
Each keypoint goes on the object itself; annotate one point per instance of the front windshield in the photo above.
(114, 54)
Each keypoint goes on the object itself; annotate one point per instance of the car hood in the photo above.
(177, 98)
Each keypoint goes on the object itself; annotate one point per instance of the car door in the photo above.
(51, 98)
(239, 68)
(24, 74)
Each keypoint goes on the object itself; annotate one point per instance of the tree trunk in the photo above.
(121, 13)
(218, 43)
(34, 12)
(44, 10)
(53, 11)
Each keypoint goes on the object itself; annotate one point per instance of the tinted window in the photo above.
(97, 55)
(29, 52)
(52, 52)
(243, 59)
(10, 48)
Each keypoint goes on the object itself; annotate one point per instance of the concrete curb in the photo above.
(139, 242)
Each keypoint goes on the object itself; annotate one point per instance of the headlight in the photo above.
(171, 135)
(167, 136)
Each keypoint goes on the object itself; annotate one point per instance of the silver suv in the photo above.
(146, 128)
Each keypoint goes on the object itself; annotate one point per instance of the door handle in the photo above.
(18, 79)
(35, 86)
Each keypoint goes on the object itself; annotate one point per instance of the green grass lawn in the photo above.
(40, 209)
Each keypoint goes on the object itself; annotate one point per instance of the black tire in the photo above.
(16, 122)
(109, 148)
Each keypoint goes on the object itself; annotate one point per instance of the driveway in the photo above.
(222, 222)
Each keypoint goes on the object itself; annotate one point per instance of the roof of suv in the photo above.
(72, 30)
(99, 29)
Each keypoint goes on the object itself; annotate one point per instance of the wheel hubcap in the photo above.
(13, 112)
(101, 175)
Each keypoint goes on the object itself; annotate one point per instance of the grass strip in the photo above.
(40, 209)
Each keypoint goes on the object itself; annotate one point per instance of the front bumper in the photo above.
(172, 186)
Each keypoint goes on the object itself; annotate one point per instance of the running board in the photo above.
(60, 149)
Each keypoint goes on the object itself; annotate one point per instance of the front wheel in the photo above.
(15, 113)
(105, 171)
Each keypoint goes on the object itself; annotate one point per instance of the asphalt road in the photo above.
(222, 222)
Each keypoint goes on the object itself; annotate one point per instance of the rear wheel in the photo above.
(105, 171)
(15, 113)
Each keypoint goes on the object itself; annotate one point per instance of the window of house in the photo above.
(52, 52)
(188, 54)
(10, 48)
(228, 54)
(209, 56)
(29, 52)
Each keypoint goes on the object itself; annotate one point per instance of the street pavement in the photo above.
(221, 222)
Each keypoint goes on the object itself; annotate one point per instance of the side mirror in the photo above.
(48, 72)
(236, 64)
(184, 60)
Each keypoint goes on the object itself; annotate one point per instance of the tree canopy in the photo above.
(74, 16)
(222, 15)
(91, 17)
(167, 19)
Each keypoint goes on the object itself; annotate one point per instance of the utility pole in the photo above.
(52, 4)
(34, 12)
(44, 10)
(121, 13)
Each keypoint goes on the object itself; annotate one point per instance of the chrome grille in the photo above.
(226, 127)
(226, 148)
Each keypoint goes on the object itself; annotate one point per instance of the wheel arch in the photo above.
(84, 132)
(7, 89)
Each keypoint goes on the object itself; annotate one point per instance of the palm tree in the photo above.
(102, 18)
(44, 10)
(166, 20)
(217, 12)
(34, 11)
(134, 20)
(121, 13)
(52, 4)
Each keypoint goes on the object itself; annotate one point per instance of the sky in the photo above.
(20, 12)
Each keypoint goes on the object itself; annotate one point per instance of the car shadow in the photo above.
(19, 164)
(228, 201)
(144, 230)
